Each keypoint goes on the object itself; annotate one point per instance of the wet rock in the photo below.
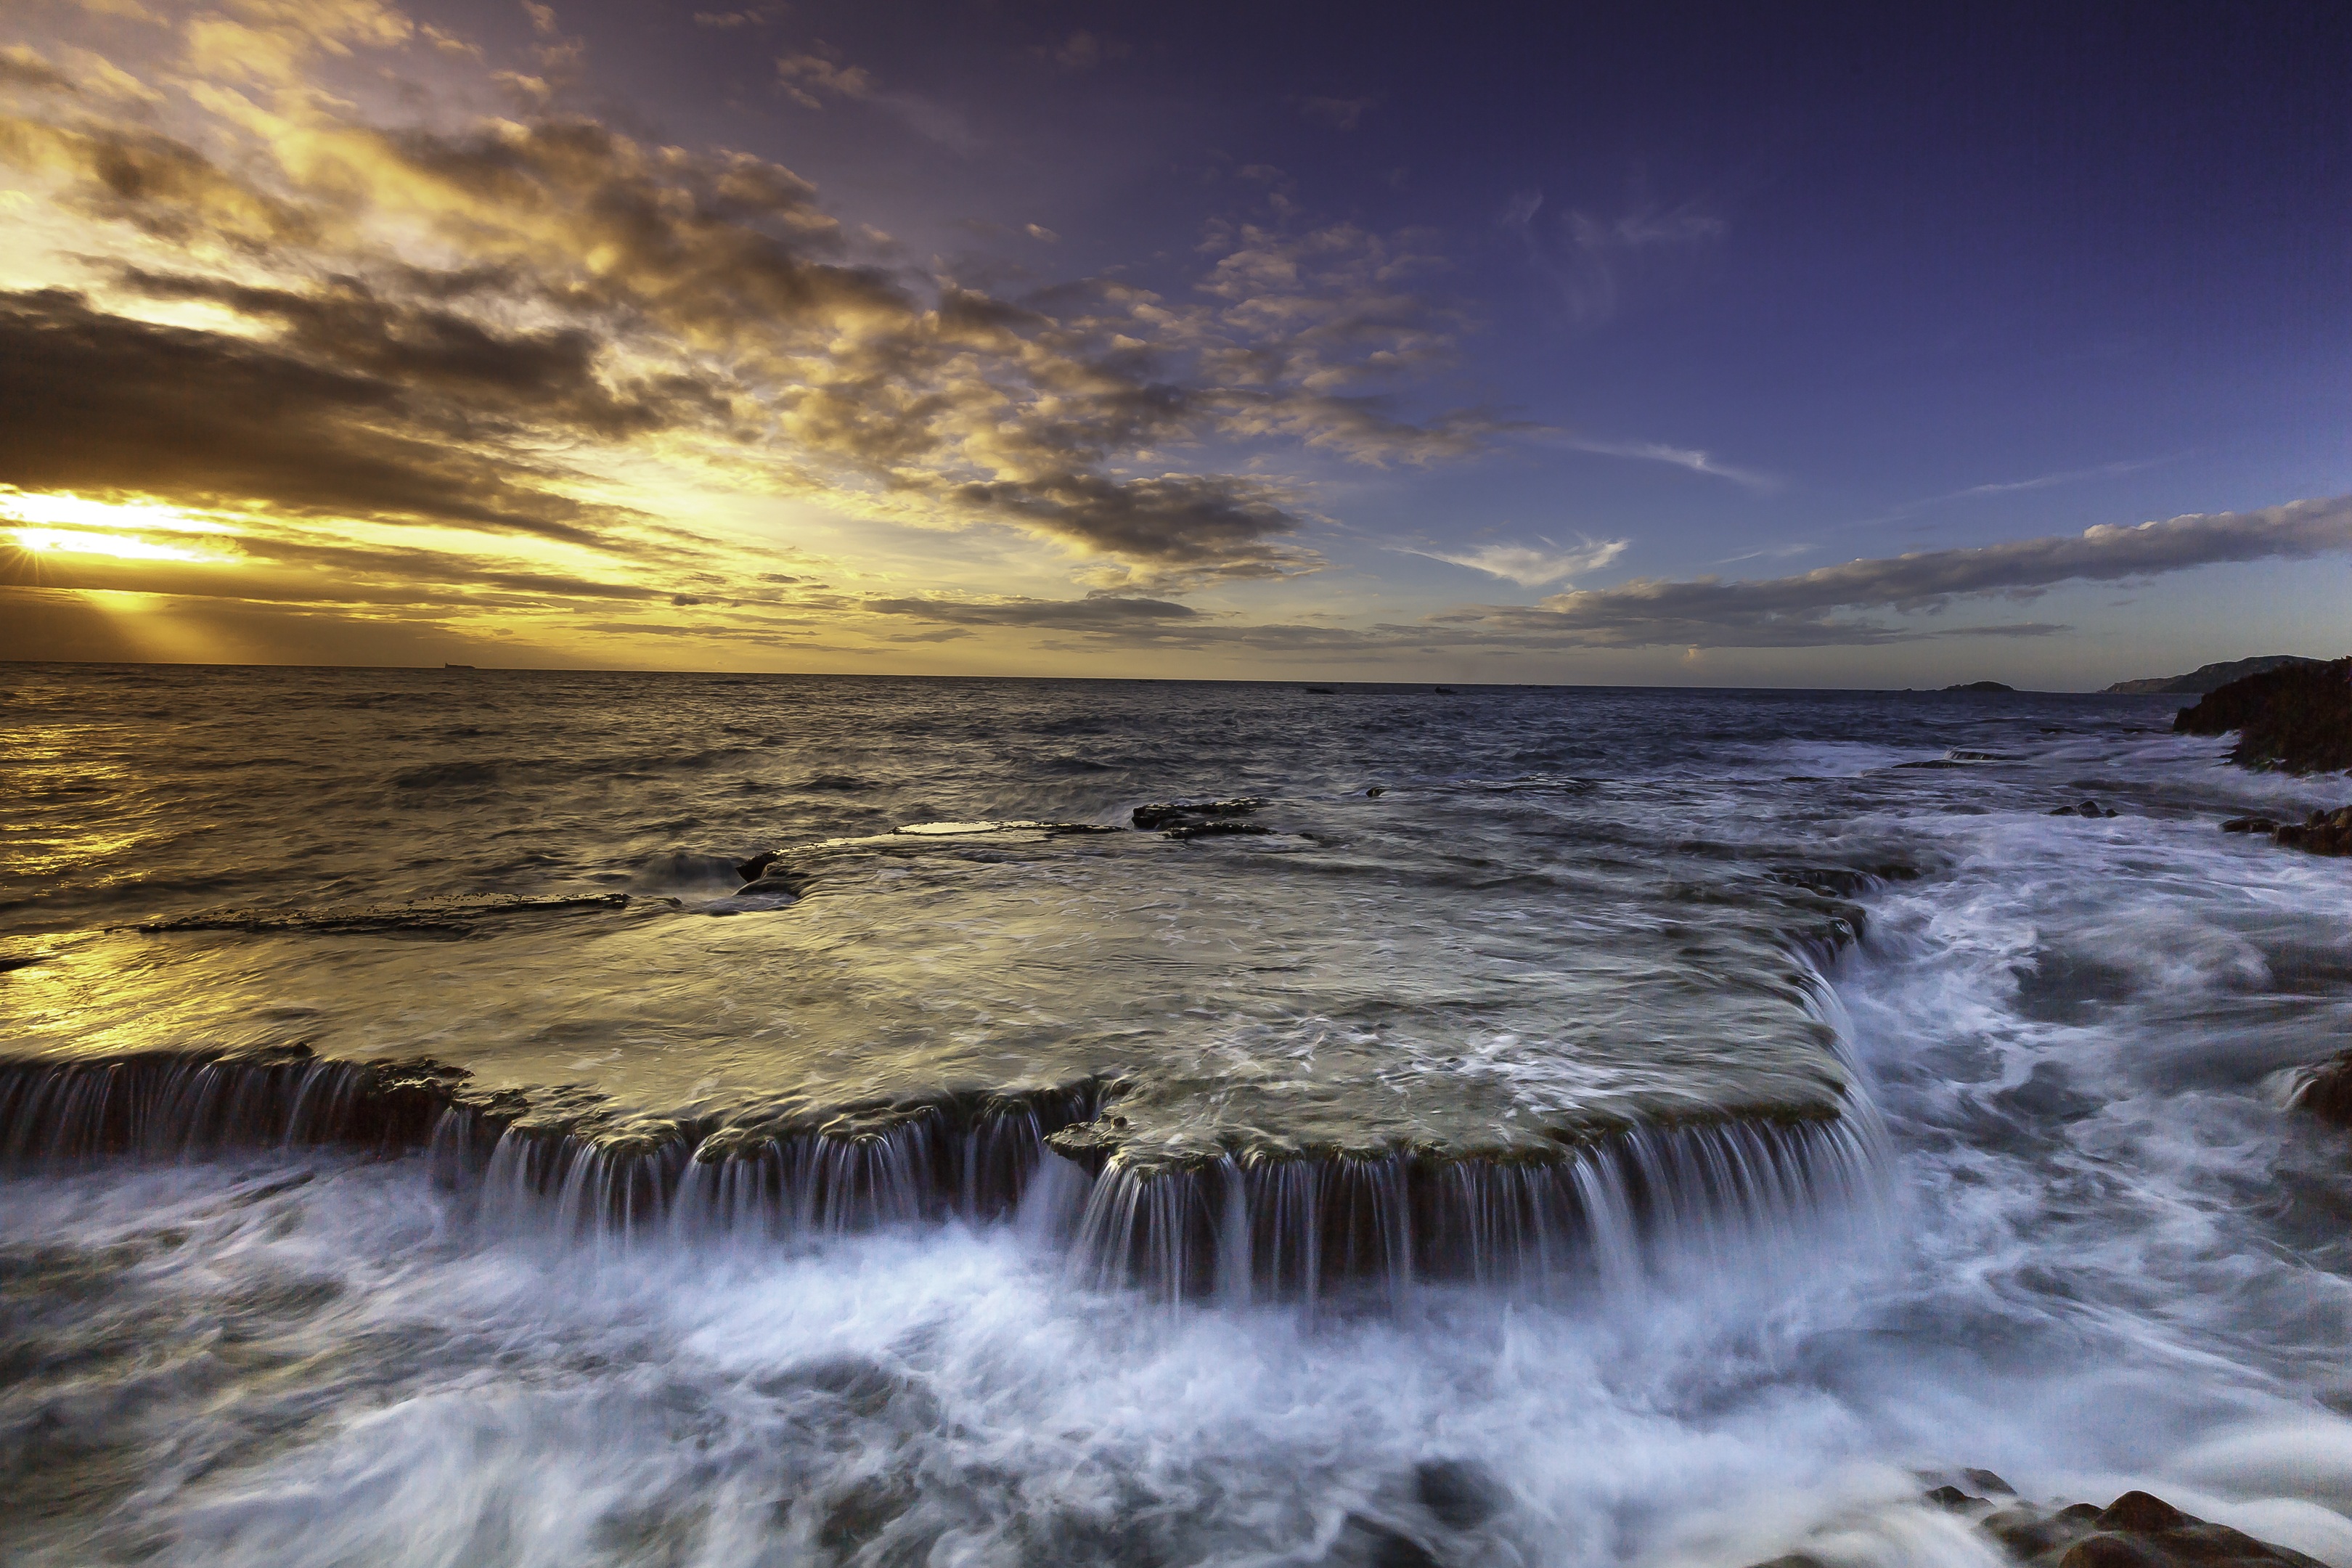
(1986, 1481)
(1458, 1495)
(862, 1511)
(1376, 792)
(1952, 1498)
(1171, 814)
(2249, 825)
(2136, 1531)
(2323, 833)
(2090, 808)
(776, 878)
(454, 916)
(751, 869)
(1368, 1543)
(2325, 1090)
(2296, 718)
(1212, 829)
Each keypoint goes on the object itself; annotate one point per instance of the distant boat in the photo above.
(457, 666)
(1321, 690)
(1445, 690)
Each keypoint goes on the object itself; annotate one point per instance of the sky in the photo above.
(1803, 345)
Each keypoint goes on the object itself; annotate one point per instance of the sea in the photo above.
(483, 1116)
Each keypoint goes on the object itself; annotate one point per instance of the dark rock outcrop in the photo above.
(2322, 833)
(2297, 718)
(2325, 1090)
(1192, 819)
(2207, 678)
(2136, 1531)
(2090, 808)
(1212, 828)
(1980, 685)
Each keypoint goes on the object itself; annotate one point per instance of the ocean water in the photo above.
(1657, 1128)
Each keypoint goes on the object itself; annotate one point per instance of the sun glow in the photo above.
(77, 541)
(73, 525)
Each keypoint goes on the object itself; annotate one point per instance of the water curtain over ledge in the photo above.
(1234, 1227)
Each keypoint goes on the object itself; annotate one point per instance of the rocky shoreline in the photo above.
(2296, 718)
(2138, 1529)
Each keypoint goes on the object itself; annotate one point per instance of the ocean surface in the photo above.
(1565, 1126)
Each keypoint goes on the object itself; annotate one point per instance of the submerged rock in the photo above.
(454, 916)
(2090, 808)
(771, 871)
(2297, 718)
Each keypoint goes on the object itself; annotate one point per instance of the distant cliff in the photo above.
(2209, 677)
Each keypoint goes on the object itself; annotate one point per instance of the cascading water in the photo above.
(1481, 1172)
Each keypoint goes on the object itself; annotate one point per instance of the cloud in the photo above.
(1105, 614)
(811, 76)
(482, 324)
(1799, 611)
(155, 182)
(1587, 258)
(805, 76)
(99, 403)
(751, 17)
(1691, 458)
(1530, 567)
(1177, 530)
(1084, 50)
(22, 66)
(1338, 113)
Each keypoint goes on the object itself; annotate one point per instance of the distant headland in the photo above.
(2207, 678)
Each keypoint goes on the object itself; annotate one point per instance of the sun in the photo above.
(127, 531)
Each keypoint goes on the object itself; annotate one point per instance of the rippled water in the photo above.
(2092, 1248)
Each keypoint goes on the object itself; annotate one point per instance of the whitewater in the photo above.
(1827, 1118)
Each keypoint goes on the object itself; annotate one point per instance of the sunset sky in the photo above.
(1803, 345)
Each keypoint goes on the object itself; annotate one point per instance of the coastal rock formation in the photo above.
(2322, 833)
(1980, 685)
(2206, 678)
(2296, 718)
(2090, 808)
(2136, 1531)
